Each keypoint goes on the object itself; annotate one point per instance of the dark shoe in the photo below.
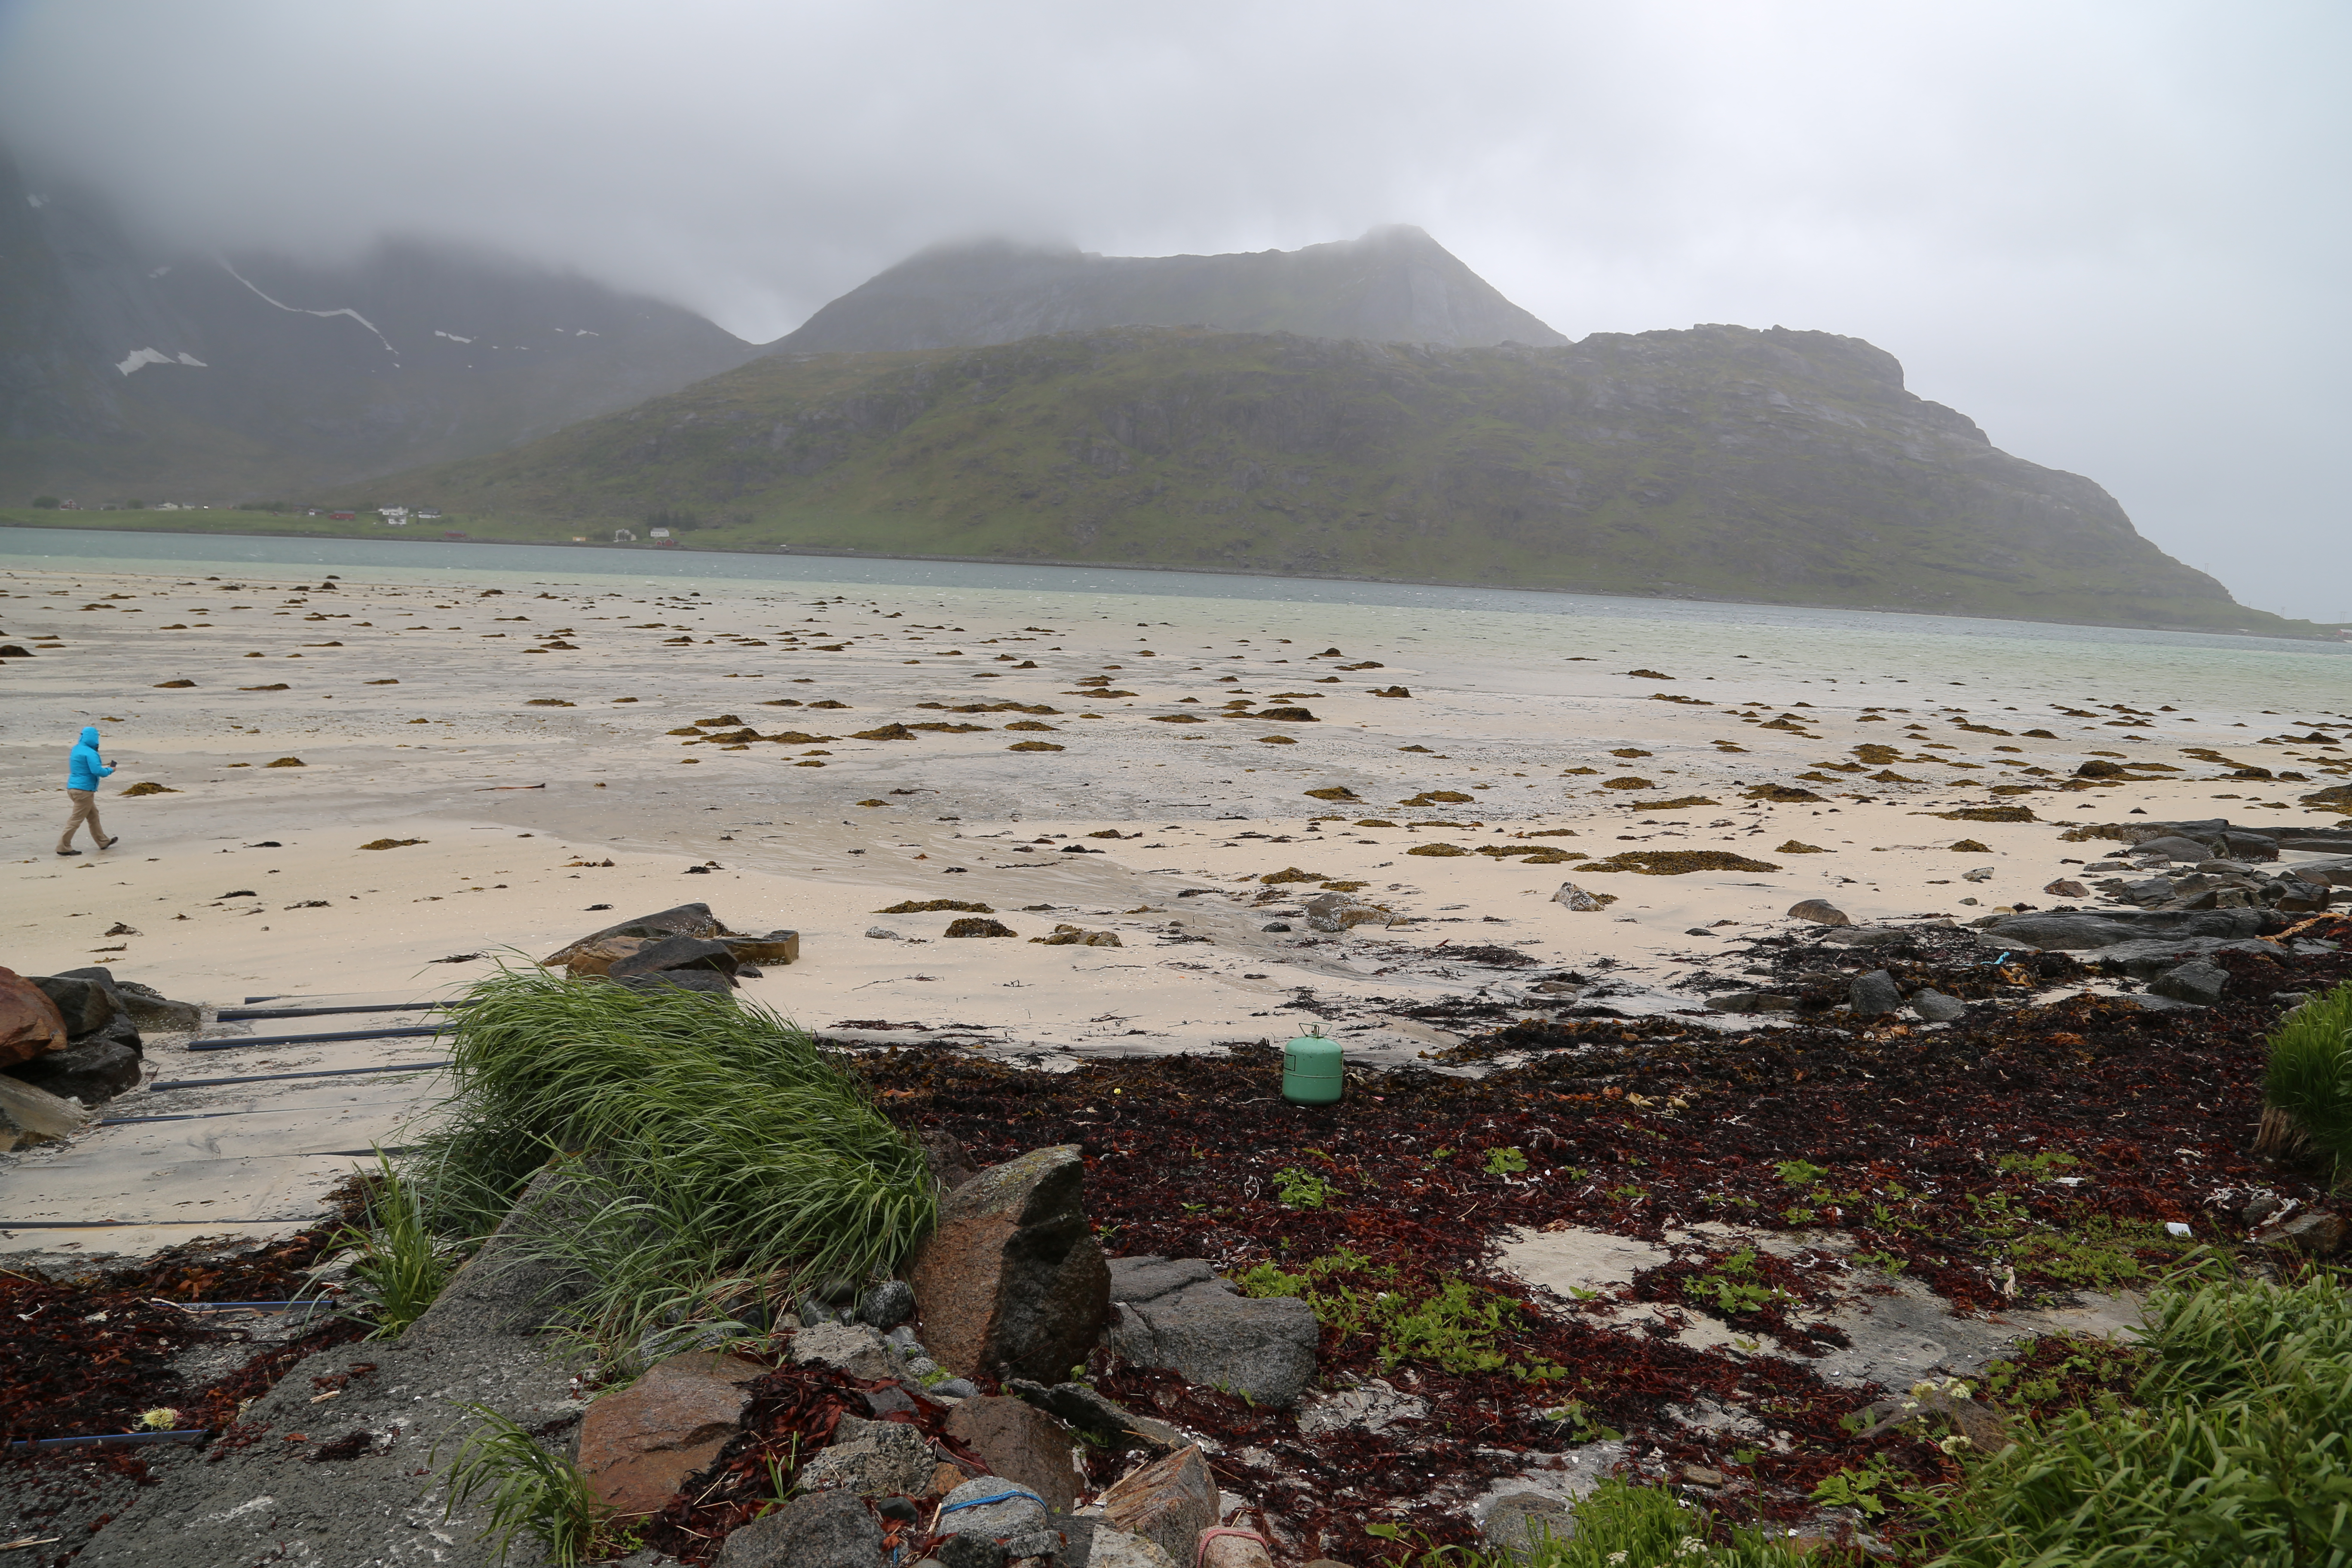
(68, 851)
(111, 842)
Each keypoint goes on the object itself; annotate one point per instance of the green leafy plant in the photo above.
(398, 1264)
(1799, 1173)
(2041, 1164)
(2307, 1087)
(1504, 1161)
(1297, 1189)
(1624, 1526)
(532, 1492)
(1732, 1286)
(1855, 1489)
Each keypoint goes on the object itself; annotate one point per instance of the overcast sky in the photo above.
(2113, 232)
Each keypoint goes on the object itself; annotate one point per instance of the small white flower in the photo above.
(1616, 1560)
(1690, 1546)
(162, 1418)
(1955, 1443)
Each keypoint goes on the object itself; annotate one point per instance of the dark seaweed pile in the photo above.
(1636, 1128)
(84, 1356)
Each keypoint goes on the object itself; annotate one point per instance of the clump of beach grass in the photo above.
(2307, 1088)
(710, 1156)
(2232, 1447)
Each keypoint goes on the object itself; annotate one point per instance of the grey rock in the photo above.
(1211, 1334)
(708, 981)
(954, 1388)
(676, 952)
(1751, 1002)
(2315, 1232)
(1373, 1408)
(1978, 874)
(1820, 912)
(1148, 1278)
(962, 1511)
(822, 1530)
(1866, 936)
(1518, 1525)
(970, 1549)
(881, 1459)
(882, 933)
(87, 1005)
(1114, 1548)
(2195, 981)
(853, 1348)
(2259, 1207)
(1572, 896)
(1091, 1413)
(1875, 995)
(2072, 933)
(887, 1305)
(150, 1009)
(2172, 846)
(1011, 1282)
(1937, 1008)
(1276, 925)
(93, 1072)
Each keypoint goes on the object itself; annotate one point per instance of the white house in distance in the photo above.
(393, 516)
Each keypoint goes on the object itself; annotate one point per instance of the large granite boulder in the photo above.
(637, 1446)
(1178, 1314)
(1022, 1443)
(30, 1024)
(1011, 1282)
(86, 1005)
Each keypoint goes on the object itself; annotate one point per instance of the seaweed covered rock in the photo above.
(1011, 1282)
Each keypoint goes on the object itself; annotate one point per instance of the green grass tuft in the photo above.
(2232, 1450)
(533, 1492)
(720, 1157)
(2310, 1076)
(400, 1265)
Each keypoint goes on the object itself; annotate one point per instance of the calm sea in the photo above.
(1499, 637)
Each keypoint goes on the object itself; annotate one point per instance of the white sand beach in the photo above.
(554, 755)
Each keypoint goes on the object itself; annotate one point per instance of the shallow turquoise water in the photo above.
(1500, 638)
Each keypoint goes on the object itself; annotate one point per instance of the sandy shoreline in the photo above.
(410, 706)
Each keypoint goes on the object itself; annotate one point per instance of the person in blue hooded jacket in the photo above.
(82, 773)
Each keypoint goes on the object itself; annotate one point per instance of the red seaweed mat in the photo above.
(1893, 1135)
(84, 1356)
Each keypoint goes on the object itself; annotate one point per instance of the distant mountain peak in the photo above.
(1393, 284)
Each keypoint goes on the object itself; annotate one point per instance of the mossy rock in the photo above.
(1034, 746)
(1794, 848)
(150, 789)
(1437, 849)
(1989, 814)
(287, 762)
(934, 906)
(1333, 792)
(1291, 874)
(1628, 782)
(1781, 793)
(392, 843)
(1970, 847)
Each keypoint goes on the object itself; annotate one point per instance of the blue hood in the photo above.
(90, 735)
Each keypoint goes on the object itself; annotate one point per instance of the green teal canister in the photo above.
(1313, 1070)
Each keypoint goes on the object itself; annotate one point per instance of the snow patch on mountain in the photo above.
(299, 311)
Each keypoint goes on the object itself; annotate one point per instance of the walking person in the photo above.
(83, 775)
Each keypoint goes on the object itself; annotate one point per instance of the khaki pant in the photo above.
(85, 809)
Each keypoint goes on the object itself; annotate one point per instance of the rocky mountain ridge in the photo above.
(1393, 285)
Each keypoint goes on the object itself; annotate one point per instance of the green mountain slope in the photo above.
(1394, 285)
(1782, 467)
